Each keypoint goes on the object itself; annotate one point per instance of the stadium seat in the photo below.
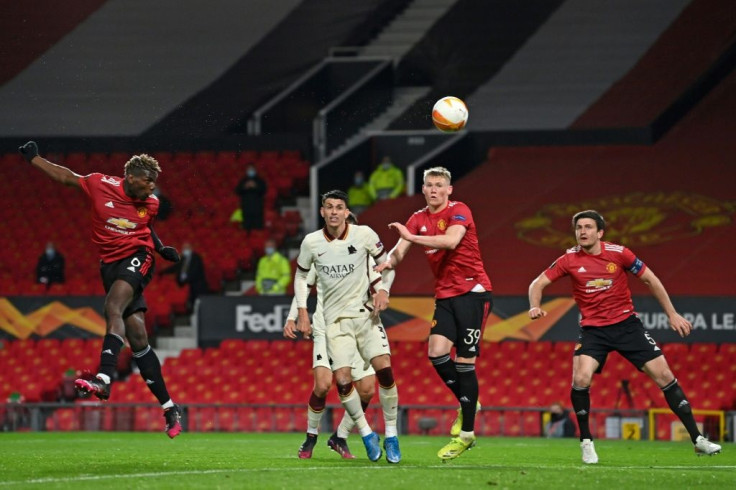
(148, 419)
(63, 419)
(429, 421)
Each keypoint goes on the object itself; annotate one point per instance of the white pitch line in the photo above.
(158, 474)
(81, 478)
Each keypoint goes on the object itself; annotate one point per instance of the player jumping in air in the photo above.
(123, 210)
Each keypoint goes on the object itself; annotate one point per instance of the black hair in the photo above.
(142, 164)
(592, 214)
(334, 194)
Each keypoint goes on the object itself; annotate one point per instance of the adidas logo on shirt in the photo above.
(423, 229)
(109, 204)
(107, 351)
(582, 269)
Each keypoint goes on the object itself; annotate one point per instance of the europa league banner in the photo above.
(409, 318)
(23, 317)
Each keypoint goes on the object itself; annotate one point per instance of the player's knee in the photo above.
(663, 378)
(344, 389)
(437, 351)
(582, 380)
(137, 342)
(321, 388)
(137, 337)
(367, 395)
(113, 311)
(385, 377)
(366, 388)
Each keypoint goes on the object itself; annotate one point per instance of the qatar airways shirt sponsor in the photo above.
(456, 271)
(343, 269)
(600, 284)
(119, 223)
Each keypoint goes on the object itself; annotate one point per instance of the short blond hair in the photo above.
(142, 163)
(438, 172)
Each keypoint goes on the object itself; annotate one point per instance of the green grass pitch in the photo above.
(268, 461)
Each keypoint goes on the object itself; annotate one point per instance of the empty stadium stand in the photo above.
(264, 385)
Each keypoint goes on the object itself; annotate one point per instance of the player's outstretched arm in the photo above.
(448, 241)
(395, 256)
(29, 151)
(678, 323)
(168, 253)
(535, 296)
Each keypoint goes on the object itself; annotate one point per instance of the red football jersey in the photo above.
(600, 285)
(119, 223)
(456, 271)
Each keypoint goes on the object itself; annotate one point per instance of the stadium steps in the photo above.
(459, 52)
(403, 98)
(407, 28)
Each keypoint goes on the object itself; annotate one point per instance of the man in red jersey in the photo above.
(123, 210)
(447, 232)
(608, 323)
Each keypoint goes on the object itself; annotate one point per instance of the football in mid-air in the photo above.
(449, 114)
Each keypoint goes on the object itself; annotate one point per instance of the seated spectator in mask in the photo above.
(190, 270)
(359, 194)
(50, 266)
(386, 181)
(273, 272)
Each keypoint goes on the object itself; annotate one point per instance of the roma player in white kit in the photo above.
(340, 254)
(365, 379)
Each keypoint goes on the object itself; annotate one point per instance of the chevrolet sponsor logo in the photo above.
(122, 223)
(599, 283)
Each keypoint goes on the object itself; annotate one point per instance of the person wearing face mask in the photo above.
(386, 181)
(190, 271)
(273, 273)
(50, 266)
(359, 194)
(251, 189)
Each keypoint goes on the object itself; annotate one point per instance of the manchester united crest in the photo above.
(634, 219)
(142, 212)
(442, 225)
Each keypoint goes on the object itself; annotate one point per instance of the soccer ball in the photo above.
(449, 114)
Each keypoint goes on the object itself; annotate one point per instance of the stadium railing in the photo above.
(413, 419)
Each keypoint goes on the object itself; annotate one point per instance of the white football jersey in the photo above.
(318, 323)
(344, 270)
